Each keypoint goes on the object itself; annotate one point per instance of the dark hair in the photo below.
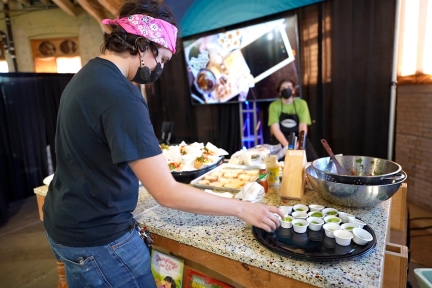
(278, 86)
(120, 41)
(171, 281)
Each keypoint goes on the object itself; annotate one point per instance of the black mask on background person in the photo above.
(286, 93)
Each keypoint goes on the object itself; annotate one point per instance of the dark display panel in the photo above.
(243, 64)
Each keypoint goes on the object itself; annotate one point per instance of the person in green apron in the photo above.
(287, 115)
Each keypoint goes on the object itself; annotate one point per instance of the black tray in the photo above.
(312, 246)
(188, 176)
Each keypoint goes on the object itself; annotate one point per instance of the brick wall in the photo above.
(413, 140)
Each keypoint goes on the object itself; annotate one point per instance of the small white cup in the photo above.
(357, 221)
(329, 228)
(361, 236)
(332, 210)
(315, 223)
(349, 226)
(286, 210)
(343, 237)
(315, 207)
(286, 224)
(300, 208)
(345, 216)
(300, 225)
(299, 215)
(332, 219)
(317, 214)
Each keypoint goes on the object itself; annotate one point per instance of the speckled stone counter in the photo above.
(232, 238)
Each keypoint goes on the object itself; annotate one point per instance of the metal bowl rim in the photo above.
(338, 183)
(313, 164)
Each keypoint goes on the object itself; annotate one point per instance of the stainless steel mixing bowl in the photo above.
(351, 195)
(363, 170)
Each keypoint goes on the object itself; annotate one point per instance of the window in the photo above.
(59, 55)
(415, 42)
(4, 68)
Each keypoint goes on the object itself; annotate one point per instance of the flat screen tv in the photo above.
(242, 64)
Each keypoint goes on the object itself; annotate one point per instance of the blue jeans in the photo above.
(124, 262)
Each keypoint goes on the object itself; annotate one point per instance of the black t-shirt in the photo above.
(103, 123)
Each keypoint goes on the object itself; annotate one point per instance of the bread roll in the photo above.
(217, 173)
(238, 181)
(245, 177)
(224, 180)
(211, 178)
(232, 185)
(252, 172)
(217, 184)
(230, 175)
(203, 182)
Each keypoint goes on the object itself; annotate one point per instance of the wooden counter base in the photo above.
(240, 274)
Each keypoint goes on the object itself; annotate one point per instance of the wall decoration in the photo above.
(56, 47)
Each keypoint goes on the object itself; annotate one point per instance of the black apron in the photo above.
(289, 123)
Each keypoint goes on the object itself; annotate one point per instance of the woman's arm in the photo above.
(154, 174)
(275, 129)
(303, 126)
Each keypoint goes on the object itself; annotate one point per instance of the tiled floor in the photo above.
(28, 262)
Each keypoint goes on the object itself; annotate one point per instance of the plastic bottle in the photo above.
(262, 178)
(272, 170)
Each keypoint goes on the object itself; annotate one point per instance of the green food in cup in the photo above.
(314, 222)
(316, 214)
(333, 220)
(299, 209)
(298, 224)
(331, 213)
(349, 228)
(287, 219)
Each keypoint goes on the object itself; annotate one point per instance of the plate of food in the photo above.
(189, 161)
(227, 177)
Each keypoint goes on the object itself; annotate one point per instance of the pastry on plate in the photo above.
(203, 182)
(233, 185)
(175, 166)
(245, 177)
(224, 180)
(200, 161)
(211, 178)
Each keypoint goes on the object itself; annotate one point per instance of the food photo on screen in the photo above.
(241, 64)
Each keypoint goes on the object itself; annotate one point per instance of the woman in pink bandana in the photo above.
(105, 142)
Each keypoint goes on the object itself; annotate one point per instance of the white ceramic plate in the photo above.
(48, 179)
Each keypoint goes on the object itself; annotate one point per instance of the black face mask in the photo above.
(145, 76)
(286, 93)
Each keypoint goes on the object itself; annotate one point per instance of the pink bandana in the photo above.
(156, 30)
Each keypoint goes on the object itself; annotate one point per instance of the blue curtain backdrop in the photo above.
(197, 16)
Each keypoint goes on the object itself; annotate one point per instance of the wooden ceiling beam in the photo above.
(111, 6)
(67, 6)
(96, 10)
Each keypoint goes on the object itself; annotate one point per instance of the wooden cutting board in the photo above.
(293, 177)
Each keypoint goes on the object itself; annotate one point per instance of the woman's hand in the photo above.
(260, 215)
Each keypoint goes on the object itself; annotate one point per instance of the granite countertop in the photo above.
(215, 234)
